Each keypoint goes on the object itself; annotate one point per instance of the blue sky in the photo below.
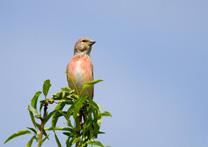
(152, 56)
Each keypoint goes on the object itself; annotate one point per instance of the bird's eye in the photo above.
(84, 40)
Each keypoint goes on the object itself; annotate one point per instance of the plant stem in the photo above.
(41, 129)
(39, 138)
(79, 127)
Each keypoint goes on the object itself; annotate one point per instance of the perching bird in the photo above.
(80, 68)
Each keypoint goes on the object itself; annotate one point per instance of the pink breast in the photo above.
(80, 68)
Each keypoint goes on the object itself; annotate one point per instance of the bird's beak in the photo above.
(92, 42)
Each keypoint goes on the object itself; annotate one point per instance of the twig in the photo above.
(41, 129)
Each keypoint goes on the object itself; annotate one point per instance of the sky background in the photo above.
(151, 54)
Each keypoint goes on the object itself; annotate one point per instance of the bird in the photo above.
(80, 68)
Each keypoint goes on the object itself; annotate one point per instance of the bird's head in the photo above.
(83, 46)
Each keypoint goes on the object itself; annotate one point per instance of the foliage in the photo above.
(82, 115)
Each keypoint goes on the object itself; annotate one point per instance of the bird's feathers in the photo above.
(80, 71)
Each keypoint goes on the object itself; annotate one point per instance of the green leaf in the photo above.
(89, 84)
(67, 89)
(106, 113)
(55, 119)
(44, 133)
(94, 105)
(44, 139)
(34, 111)
(68, 143)
(32, 118)
(94, 82)
(75, 140)
(49, 116)
(67, 134)
(97, 143)
(65, 93)
(41, 105)
(95, 109)
(46, 87)
(58, 129)
(19, 133)
(35, 99)
(57, 140)
(29, 143)
(100, 132)
(59, 106)
(51, 101)
(57, 96)
(33, 130)
(57, 114)
(76, 106)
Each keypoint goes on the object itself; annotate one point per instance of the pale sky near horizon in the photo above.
(151, 54)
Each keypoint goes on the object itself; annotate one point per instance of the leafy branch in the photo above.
(82, 115)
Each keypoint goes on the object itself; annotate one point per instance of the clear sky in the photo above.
(151, 54)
